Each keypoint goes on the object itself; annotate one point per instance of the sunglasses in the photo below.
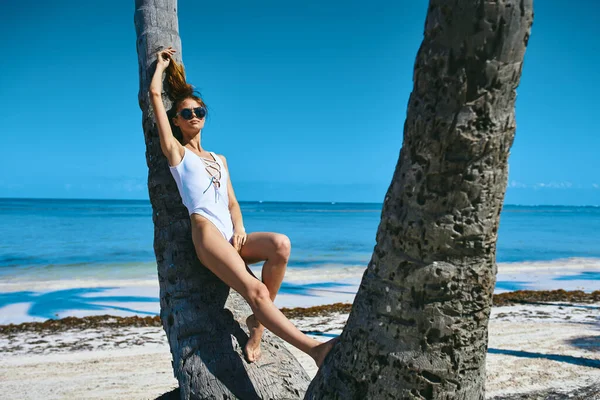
(188, 113)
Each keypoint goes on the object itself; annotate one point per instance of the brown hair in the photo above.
(179, 90)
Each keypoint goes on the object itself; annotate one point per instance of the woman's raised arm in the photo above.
(170, 146)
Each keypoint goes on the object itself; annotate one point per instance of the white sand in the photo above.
(531, 347)
(548, 346)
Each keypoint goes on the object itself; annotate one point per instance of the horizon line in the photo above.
(283, 201)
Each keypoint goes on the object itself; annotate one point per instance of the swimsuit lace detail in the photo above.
(213, 169)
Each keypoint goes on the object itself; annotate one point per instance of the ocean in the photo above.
(53, 245)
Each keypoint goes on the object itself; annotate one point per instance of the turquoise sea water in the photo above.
(82, 257)
(114, 238)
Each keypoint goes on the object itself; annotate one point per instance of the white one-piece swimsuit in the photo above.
(200, 194)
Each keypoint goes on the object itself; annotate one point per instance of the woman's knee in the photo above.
(256, 294)
(283, 246)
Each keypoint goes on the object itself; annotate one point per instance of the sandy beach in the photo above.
(105, 341)
(532, 347)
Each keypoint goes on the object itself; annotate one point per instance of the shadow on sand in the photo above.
(49, 305)
(586, 362)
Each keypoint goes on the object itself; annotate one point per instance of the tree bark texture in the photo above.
(203, 322)
(418, 326)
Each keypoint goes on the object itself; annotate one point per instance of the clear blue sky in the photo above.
(307, 99)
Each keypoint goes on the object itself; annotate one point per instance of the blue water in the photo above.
(114, 238)
(93, 245)
(548, 233)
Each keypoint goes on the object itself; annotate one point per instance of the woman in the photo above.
(218, 233)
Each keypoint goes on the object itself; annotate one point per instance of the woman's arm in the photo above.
(170, 146)
(239, 232)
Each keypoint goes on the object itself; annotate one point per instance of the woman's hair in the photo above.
(179, 90)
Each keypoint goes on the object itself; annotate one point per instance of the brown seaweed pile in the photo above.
(545, 296)
(76, 323)
(109, 321)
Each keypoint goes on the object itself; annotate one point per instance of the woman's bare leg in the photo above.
(224, 261)
(274, 249)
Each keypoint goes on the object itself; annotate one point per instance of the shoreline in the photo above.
(24, 299)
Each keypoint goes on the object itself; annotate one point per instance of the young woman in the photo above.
(218, 232)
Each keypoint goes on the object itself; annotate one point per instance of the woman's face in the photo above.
(193, 126)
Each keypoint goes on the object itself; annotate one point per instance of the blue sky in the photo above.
(307, 99)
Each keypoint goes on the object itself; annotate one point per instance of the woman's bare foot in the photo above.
(252, 349)
(319, 352)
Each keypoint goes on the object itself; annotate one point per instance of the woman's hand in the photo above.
(239, 239)
(163, 58)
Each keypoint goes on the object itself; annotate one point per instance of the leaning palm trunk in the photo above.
(200, 317)
(418, 326)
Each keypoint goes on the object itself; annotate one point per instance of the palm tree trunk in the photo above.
(203, 322)
(418, 326)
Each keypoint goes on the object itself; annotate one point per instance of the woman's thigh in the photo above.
(260, 246)
(218, 255)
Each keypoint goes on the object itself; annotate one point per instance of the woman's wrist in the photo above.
(156, 82)
(158, 74)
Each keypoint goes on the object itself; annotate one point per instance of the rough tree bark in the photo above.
(418, 327)
(203, 322)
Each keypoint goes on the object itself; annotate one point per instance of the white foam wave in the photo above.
(341, 273)
(53, 285)
(567, 264)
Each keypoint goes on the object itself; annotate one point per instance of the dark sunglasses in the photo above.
(188, 113)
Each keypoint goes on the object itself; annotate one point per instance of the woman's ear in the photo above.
(174, 119)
